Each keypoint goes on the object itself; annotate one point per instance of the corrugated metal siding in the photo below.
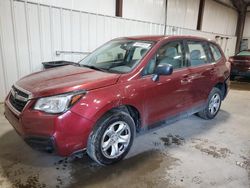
(106, 7)
(246, 33)
(147, 10)
(247, 26)
(8, 47)
(218, 18)
(183, 13)
(31, 33)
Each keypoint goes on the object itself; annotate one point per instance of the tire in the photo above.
(112, 138)
(213, 104)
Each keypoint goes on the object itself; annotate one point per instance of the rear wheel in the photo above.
(112, 138)
(213, 104)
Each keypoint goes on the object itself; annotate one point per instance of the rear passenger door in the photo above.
(201, 71)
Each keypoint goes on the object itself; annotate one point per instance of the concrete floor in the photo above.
(189, 153)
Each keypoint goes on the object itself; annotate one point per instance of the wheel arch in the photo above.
(223, 87)
(133, 111)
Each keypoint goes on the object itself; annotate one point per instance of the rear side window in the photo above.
(197, 53)
(215, 51)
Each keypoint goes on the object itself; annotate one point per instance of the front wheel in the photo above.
(112, 138)
(213, 104)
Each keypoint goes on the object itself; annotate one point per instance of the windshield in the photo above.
(244, 53)
(119, 56)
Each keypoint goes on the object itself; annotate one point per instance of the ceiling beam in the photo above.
(242, 9)
(224, 4)
(240, 5)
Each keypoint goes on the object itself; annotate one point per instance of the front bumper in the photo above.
(41, 143)
(64, 134)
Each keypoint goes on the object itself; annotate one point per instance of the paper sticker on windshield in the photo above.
(142, 45)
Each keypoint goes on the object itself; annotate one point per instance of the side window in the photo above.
(171, 53)
(215, 51)
(150, 67)
(197, 53)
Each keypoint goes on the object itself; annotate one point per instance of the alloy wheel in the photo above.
(115, 139)
(214, 104)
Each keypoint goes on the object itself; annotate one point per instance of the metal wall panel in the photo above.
(66, 33)
(247, 26)
(21, 35)
(31, 33)
(8, 46)
(218, 18)
(106, 7)
(56, 31)
(84, 39)
(46, 41)
(183, 13)
(246, 33)
(147, 10)
(76, 33)
(35, 37)
(2, 73)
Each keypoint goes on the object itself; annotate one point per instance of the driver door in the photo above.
(169, 95)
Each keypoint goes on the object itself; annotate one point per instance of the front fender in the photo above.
(96, 102)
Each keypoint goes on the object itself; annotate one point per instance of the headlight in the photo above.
(57, 104)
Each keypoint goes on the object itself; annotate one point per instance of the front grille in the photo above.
(20, 93)
(18, 99)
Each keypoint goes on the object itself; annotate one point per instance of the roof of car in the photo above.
(162, 37)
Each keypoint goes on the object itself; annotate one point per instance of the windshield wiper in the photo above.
(95, 68)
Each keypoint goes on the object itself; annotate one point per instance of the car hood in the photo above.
(65, 79)
(237, 57)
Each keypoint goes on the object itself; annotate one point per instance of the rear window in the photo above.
(215, 51)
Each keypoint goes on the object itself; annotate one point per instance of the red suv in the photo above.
(125, 86)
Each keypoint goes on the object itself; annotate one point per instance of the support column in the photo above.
(240, 27)
(118, 8)
(200, 14)
(166, 15)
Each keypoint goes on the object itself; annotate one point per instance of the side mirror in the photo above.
(162, 69)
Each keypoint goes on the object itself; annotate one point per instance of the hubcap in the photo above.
(214, 104)
(115, 139)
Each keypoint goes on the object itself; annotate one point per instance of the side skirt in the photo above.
(170, 120)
